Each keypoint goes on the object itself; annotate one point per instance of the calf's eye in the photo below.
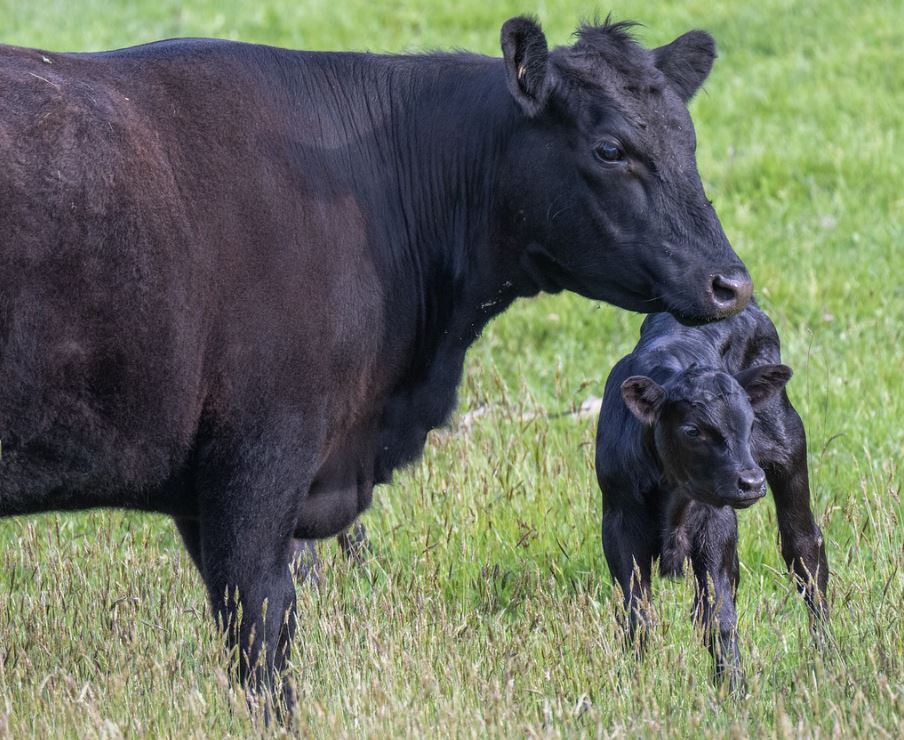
(691, 431)
(610, 152)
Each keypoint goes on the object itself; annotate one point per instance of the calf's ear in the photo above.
(686, 62)
(644, 397)
(762, 382)
(526, 58)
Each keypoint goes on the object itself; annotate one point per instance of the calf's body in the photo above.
(693, 423)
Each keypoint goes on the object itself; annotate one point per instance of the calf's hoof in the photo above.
(732, 680)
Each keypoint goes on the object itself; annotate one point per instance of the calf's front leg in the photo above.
(716, 572)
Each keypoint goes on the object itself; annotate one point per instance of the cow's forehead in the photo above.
(607, 66)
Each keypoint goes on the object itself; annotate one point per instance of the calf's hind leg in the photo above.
(354, 543)
(630, 546)
(802, 543)
(305, 562)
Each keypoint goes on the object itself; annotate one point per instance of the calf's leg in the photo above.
(304, 561)
(629, 543)
(714, 557)
(306, 564)
(802, 543)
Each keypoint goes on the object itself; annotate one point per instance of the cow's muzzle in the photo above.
(729, 293)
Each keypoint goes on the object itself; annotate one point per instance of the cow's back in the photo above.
(158, 250)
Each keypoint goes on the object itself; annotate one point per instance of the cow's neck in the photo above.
(446, 134)
(446, 275)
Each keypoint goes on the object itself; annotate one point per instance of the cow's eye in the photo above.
(691, 431)
(610, 152)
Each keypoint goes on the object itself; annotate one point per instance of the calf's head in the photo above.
(599, 182)
(701, 422)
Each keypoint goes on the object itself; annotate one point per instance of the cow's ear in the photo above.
(644, 397)
(526, 58)
(686, 62)
(762, 382)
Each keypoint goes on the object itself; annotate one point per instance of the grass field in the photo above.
(487, 608)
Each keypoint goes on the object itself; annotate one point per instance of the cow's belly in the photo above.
(342, 488)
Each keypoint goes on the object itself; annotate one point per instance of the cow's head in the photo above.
(599, 185)
(702, 422)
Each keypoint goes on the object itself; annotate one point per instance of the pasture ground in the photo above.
(488, 608)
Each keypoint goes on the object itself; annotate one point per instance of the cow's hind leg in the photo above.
(354, 543)
(714, 556)
(304, 561)
(247, 492)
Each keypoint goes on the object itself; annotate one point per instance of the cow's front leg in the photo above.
(714, 557)
(629, 544)
(802, 543)
(247, 503)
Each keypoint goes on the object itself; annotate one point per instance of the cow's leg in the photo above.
(354, 543)
(630, 545)
(801, 540)
(190, 531)
(304, 562)
(714, 556)
(247, 492)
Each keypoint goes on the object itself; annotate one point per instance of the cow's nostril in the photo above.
(731, 293)
(722, 292)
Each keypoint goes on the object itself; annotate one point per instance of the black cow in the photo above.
(237, 283)
(690, 421)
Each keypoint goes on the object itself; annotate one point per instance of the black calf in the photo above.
(694, 423)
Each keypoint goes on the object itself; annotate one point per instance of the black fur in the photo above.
(690, 421)
(238, 282)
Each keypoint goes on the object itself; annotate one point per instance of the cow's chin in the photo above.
(697, 312)
(546, 274)
(619, 296)
(549, 275)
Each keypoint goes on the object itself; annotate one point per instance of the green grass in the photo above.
(488, 608)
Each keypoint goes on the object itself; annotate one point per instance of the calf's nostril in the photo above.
(751, 482)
